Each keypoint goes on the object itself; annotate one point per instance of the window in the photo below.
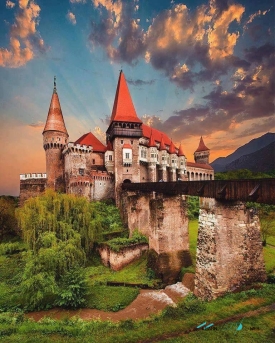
(81, 171)
(173, 161)
(163, 158)
(127, 155)
(152, 155)
(121, 141)
(110, 157)
(132, 142)
(93, 161)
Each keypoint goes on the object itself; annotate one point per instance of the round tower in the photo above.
(201, 155)
(55, 137)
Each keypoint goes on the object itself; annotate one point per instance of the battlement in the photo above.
(72, 147)
(28, 176)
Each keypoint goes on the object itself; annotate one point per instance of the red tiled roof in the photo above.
(162, 145)
(157, 135)
(202, 146)
(199, 165)
(152, 142)
(172, 149)
(127, 146)
(123, 109)
(55, 121)
(180, 152)
(90, 139)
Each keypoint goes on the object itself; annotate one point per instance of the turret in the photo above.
(55, 137)
(152, 159)
(173, 161)
(182, 163)
(201, 155)
(123, 133)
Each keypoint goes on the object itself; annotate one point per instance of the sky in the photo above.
(194, 68)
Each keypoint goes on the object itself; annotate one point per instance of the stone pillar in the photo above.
(138, 212)
(229, 248)
(168, 239)
(164, 174)
(152, 172)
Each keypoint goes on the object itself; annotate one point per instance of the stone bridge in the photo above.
(229, 246)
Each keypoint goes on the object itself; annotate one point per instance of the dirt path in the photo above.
(148, 302)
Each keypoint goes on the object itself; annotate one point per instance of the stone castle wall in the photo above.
(118, 260)
(31, 188)
(229, 248)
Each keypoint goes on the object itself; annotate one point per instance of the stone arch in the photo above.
(127, 181)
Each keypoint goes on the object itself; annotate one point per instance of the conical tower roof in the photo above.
(172, 149)
(180, 152)
(202, 146)
(55, 121)
(123, 109)
(162, 145)
(152, 142)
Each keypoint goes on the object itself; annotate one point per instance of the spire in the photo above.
(123, 109)
(162, 145)
(202, 146)
(55, 121)
(180, 152)
(172, 149)
(152, 142)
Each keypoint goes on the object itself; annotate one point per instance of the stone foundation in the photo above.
(118, 260)
(229, 248)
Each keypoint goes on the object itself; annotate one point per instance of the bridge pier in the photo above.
(164, 220)
(229, 248)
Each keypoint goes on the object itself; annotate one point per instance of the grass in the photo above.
(108, 298)
(170, 326)
(135, 273)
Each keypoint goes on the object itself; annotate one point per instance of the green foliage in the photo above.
(242, 174)
(12, 248)
(8, 222)
(110, 298)
(193, 207)
(117, 244)
(72, 289)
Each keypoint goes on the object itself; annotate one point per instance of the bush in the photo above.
(73, 289)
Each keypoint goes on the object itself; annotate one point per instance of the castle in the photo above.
(134, 152)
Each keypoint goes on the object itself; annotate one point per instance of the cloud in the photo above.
(176, 41)
(77, 1)
(71, 17)
(38, 124)
(139, 82)
(24, 38)
(10, 4)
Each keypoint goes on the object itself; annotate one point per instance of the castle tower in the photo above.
(124, 133)
(55, 137)
(152, 158)
(201, 155)
(173, 162)
(182, 164)
(164, 157)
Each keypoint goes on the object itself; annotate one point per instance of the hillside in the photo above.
(256, 144)
(262, 160)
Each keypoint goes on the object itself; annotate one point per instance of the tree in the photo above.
(8, 222)
(60, 230)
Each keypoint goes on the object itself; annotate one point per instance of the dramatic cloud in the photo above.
(139, 82)
(10, 4)
(71, 17)
(24, 38)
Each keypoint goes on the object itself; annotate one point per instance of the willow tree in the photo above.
(60, 230)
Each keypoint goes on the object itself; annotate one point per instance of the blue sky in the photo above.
(193, 68)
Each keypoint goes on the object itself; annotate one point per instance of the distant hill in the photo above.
(240, 156)
(262, 160)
